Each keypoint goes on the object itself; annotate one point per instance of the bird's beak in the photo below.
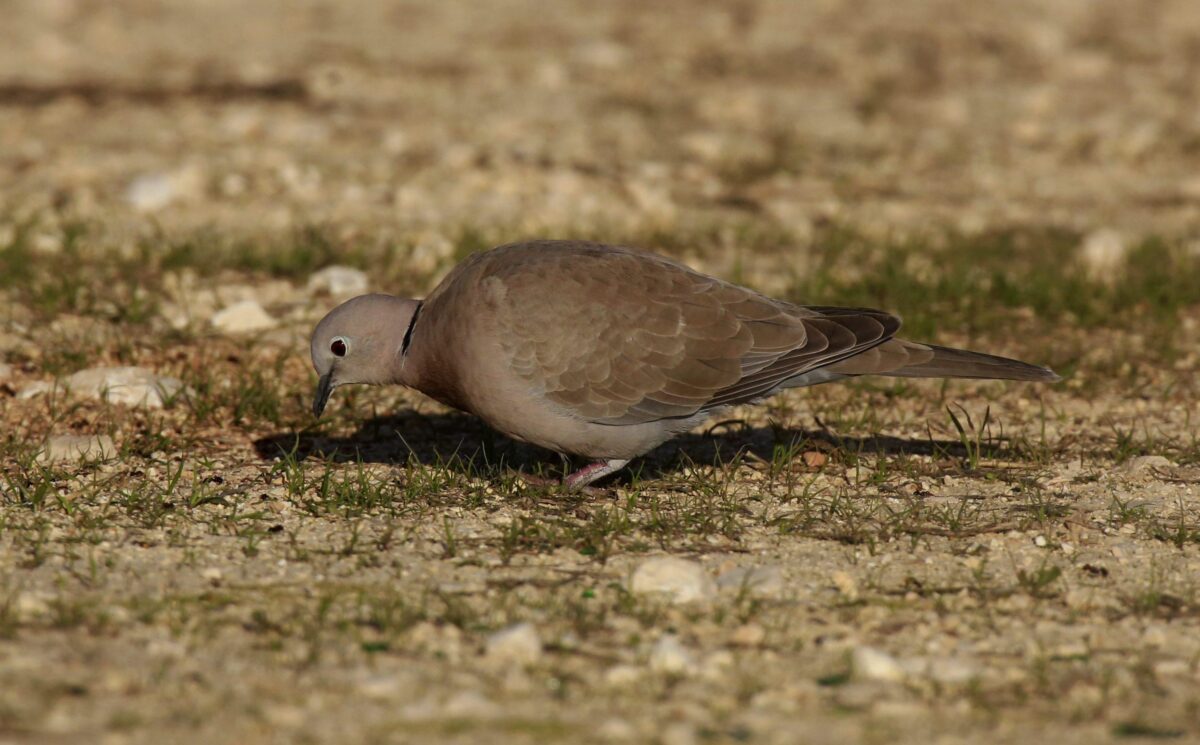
(324, 388)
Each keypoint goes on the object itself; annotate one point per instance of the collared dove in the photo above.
(607, 352)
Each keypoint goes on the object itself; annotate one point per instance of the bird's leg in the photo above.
(591, 472)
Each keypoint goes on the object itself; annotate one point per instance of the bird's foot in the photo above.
(589, 473)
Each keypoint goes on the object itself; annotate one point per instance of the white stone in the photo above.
(242, 318)
(761, 581)
(518, 644)
(671, 657)
(70, 448)
(6, 371)
(845, 584)
(678, 580)
(616, 730)
(150, 192)
(748, 635)
(35, 389)
(470, 704)
(952, 671)
(678, 733)
(1103, 254)
(132, 386)
(872, 664)
(620, 676)
(338, 281)
(1147, 463)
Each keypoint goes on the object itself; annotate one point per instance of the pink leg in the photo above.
(591, 472)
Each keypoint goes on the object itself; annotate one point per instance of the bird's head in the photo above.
(361, 341)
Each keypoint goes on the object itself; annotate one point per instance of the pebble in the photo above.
(6, 371)
(748, 635)
(869, 663)
(72, 448)
(620, 676)
(678, 580)
(678, 733)
(814, 458)
(470, 704)
(338, 281)
(952, 671)
(35, 389)
(244, 317)
(1146, 463)
(1103, 254)
(761, 581)
(616, 730)
(150, 192)
(845, 584)
(518, 644)
(133, 386)
(671, 657)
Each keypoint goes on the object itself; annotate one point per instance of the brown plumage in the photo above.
(607, 352)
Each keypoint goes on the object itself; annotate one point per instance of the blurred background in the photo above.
(578, 117)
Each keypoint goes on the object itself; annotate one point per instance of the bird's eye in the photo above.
(338, 347)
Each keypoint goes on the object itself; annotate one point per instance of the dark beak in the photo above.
(324, 388)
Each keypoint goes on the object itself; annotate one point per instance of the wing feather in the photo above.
(614, 336)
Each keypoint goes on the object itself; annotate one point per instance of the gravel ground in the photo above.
(186, 556)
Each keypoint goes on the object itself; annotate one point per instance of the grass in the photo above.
(371, 541)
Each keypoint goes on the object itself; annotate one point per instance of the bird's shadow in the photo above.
(463, 443)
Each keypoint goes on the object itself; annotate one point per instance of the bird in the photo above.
(605, 352)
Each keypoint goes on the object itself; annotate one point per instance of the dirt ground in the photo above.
(877, 562)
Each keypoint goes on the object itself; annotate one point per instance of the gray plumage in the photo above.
(607, 352)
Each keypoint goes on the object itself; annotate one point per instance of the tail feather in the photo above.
(948, 362)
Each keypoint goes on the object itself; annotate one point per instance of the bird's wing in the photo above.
(618, 337)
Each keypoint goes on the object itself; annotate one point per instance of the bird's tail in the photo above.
(905, 359)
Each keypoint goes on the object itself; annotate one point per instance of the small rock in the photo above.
(678, 733)
(761, 581)
(242, 318)
(338, 281)
(71, 448)
(1172, 668)
(669, 656)
(212, 575)
(132, 386)
(679, 580)
(1040, 541)
(717, 666)
(6, 371)
(35, 389)
(620, 676)
(951, 671)
(31, 605)
(872, 664)
(518, 644)
(470, 704)
(1146, 464)
(748, 635)
(382, 687)
(150, 192)
(814, 458)
(616, 730)
(845, 584)
(1103, 254)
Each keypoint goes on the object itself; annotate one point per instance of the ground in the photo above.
(899, 561)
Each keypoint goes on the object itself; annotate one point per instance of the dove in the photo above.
(606, 352)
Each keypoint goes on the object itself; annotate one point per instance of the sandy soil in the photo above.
(850, 568)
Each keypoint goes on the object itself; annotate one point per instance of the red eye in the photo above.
(338, 347)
